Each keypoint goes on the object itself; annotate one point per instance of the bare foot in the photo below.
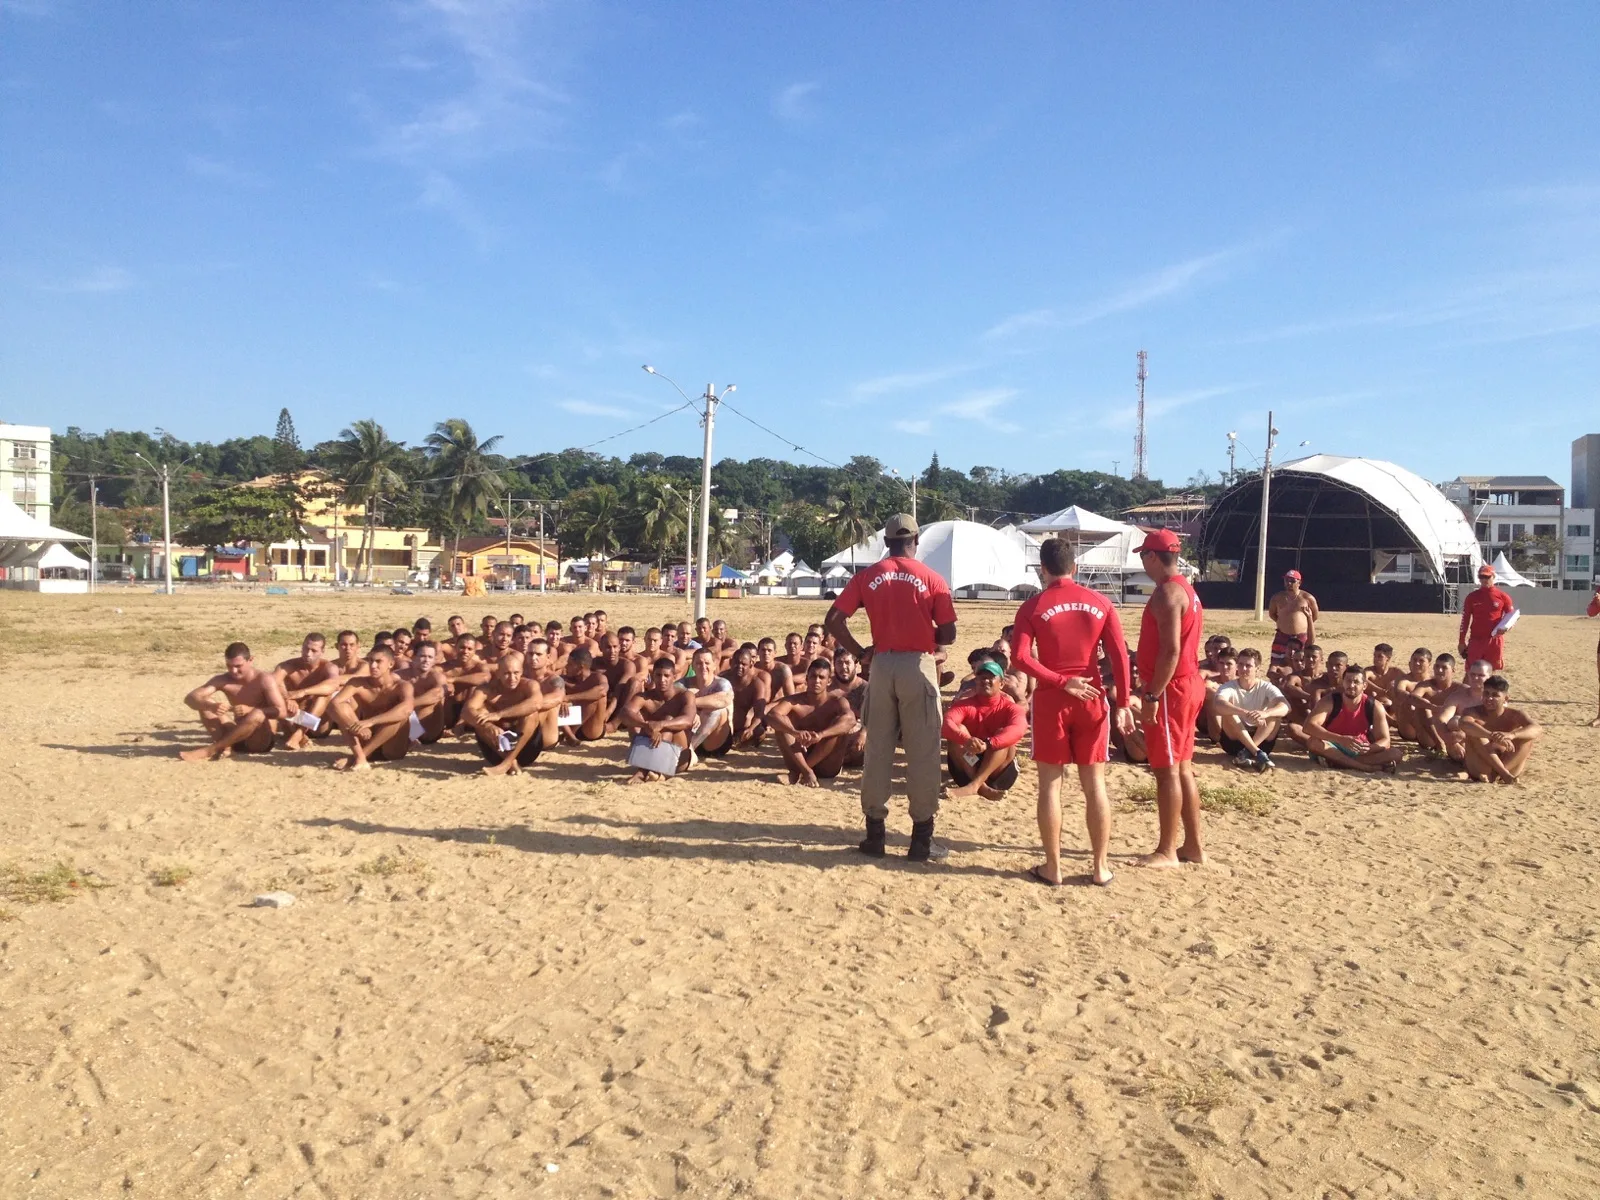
(639, 777)
(1101, 877)
(966, 789)
(808, 778)
(342, 764)
(198, 754)
(1595, 724)
(296, 740)
(991, 794)
(1196, 858)
(1158, 860)
(506, 766)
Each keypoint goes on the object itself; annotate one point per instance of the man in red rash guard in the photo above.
(1174, 693)
(909, 608)
(1056, 639)
(981, 734)
(1594, 611)
(1481, 613)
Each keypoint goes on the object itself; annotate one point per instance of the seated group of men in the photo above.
(1349, 716)
(516, 691)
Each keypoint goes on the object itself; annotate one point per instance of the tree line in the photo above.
(454, 481)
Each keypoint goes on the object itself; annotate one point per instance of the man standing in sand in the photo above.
(1294, 612)
(301, 680)
(374, 714)
(504, 716)
(239, 708)
(911, 614)
(1174, 693)
(1486, 614)
(811, 726)
(1060, 634)
(1499, 740)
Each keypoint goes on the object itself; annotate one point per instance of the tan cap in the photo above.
(901, 525)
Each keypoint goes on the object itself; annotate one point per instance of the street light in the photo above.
(166, 514)
(1266, 492)
(1233, 445)
(911, 487)
(708, 418)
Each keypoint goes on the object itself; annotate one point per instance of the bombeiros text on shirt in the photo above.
(1055, 610)
(902, 576)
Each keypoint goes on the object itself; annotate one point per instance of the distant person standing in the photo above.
(1294, 611)
(1486, 614)
(1172, 697)
(911, 614)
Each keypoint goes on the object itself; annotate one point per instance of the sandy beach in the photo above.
(489, 987)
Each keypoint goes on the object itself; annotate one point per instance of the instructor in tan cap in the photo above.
(911, 615)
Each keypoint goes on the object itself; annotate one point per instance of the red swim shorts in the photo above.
(1489, 650)
(1170, 739)
(1069, 730)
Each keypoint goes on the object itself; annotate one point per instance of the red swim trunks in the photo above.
(1170, 739)
(1286, 646)
(1489, 650)
(1069, 730)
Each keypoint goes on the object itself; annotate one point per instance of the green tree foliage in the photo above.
(370, 465)
(231, 516)
(467, 473)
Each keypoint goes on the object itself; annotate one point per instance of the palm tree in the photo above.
(367, 461)
(656, 515)
(592, 523)
(849, 517)
(461, 463)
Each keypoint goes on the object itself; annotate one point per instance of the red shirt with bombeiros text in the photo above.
(1481, 611)
(904, 600)
(1057, 633)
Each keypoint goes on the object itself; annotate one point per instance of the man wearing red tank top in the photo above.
(1174, 693)
(1055, 639)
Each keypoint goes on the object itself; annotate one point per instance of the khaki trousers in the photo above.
(902, 708)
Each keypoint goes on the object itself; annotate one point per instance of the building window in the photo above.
(1544, 531)
(1578, 531)
(1577, 562)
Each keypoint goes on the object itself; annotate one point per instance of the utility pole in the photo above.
(709, 420)
(94, 533)
(688, 561)
(1266, 493)
(1233, 443)
(166, 514)
(1138, 437)
(541, 547)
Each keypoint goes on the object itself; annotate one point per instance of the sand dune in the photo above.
(1382, 986)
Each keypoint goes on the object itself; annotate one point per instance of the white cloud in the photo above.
(793, 103)
(905, 381)
(586, 409)
(106, 279)
(922, 428)
(979, 405)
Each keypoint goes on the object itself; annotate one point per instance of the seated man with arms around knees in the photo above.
(589, 690)
(374, 714)
(811, 727)
(661, 712)
(239, 708)
(712, 734)
(432, 698)
(751, 692)
(506, 716)
(1499, 740)
(1249, 710)
(849, 683)
(1348, 728)
(1448, 707)
(981, 734)
(301, 680)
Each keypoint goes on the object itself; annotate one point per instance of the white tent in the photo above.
(1506, 575)
(18, 526)
(965, 553)
(1075, 524)
(1029, 543)
(58, 556)
(775, 568)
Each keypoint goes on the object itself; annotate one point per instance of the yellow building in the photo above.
(498, 561)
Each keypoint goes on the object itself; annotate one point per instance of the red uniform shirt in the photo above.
(1190, 632)
(1594, 607)
(997, 719)
(904, 601)
(1481, 612)
(1057, 631)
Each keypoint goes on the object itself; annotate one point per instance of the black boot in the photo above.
(875, 835)
(923, 847)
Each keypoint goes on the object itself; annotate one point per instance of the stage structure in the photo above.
(1342, 523)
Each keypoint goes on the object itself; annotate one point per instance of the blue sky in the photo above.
(899, 228)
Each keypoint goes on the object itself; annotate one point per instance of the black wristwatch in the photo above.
(1149, 697)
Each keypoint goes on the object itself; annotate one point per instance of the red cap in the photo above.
(1159, 540)
(1485, 570)
(1294, 575)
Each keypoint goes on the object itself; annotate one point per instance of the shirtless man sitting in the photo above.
(621, 671)
(373, 712)
(301, 679)
(589, 690)
(504, 716)
(1425, 698)
(981, 734)
(1419, 672)
(499, 642)
(712, 733)
(457, 627)
(1295, 613)
(486, 631)
(1499, 740)
(239, 708)
(811, 727)
(577, 637)
(751, 693)
(432, 697)
(848, 682)
(781, 681)
(1348, 728)
(538, 666)
(400, 643)
(660, 712)
(1467, 693)
(1383, 675)
(722, 644)
(794, 655)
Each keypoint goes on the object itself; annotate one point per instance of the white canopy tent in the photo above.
(1075, 524)
(1506, 575)
(776, 568)
(58, 557)
(965, 553)
(26, 541)
(18, 526)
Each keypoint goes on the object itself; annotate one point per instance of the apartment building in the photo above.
(1526, 517)
(25, 468)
